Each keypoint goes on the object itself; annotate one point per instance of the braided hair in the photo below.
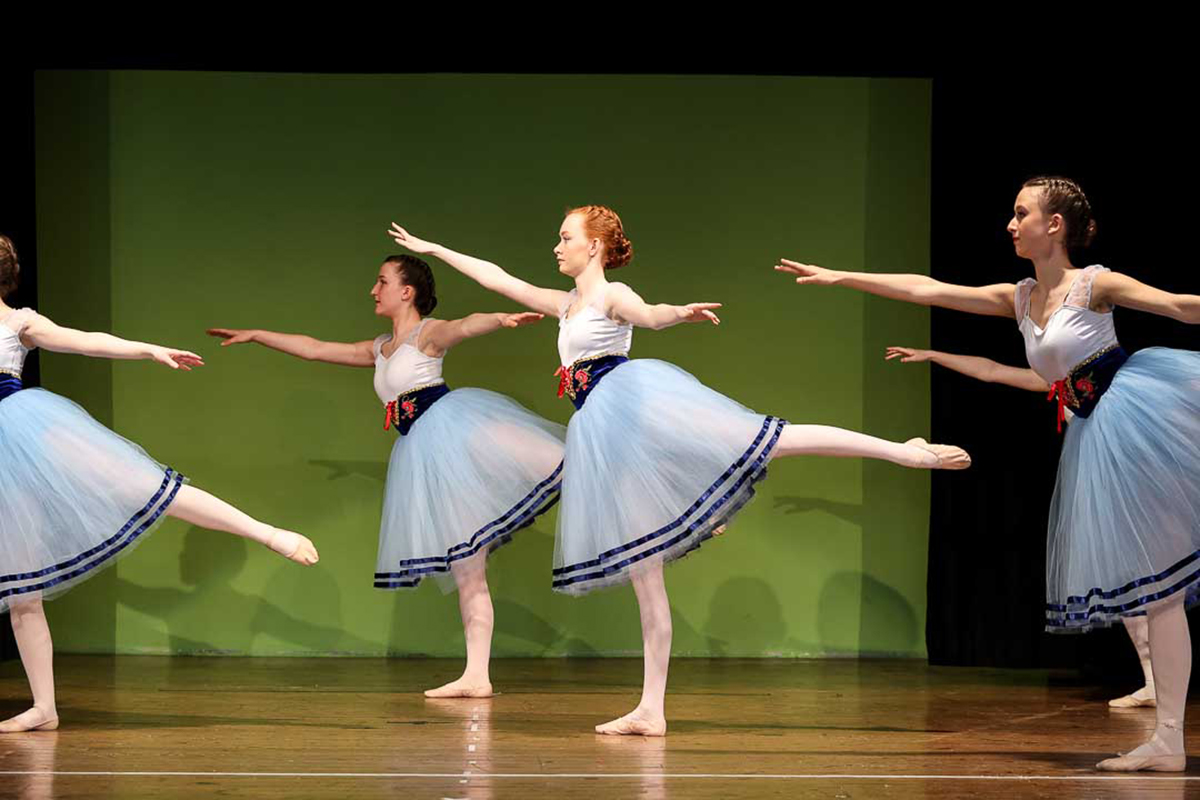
(1063, 196)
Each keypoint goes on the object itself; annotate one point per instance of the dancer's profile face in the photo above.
(390, 293)
(574, 248)
(1031, 230)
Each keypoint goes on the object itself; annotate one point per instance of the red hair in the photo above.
(601, 222)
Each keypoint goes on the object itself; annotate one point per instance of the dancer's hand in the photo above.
(408, 241)
(520, 318)
(807, 273)
(700, 312)
(231, 335)
(908, 354)
(175, 359)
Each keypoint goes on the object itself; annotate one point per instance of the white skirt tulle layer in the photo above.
(656, 462)
(74, 496)
(474, 468)
(1124, 531)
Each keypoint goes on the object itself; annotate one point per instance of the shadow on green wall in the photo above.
(375, 470)
(795, 504)
(208, 566)
(887, 620)
(892, 620)
(518, 627)
(745, 615)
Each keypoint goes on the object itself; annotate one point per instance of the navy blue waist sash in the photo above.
(408, 407)
(1087, 382)
(9, 384)
(578, 380)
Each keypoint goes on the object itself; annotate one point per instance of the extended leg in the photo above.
(825, 440)
(202, 509)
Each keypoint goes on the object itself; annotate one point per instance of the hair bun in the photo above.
(620, 254)
(10, 267)
(602, 223)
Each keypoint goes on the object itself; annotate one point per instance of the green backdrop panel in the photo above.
(260, 200)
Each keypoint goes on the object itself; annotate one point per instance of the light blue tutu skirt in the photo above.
(1124, 529)
(74, 496)
(474, 468)
(655, 463)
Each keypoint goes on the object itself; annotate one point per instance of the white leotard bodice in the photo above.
(1073, 333)
(407, 368)
(589, 332)
(12, 351)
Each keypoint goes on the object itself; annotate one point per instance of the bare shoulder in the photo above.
(431, 340)
(617, 289)
(24, 319)
(27, 324)
(619, 295)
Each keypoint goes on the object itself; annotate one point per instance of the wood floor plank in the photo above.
(350, 728)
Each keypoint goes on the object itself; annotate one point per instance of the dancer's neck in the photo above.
(404, 323)
(591, 282)
(1053, 270)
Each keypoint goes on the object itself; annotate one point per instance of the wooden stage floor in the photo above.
(347, 728)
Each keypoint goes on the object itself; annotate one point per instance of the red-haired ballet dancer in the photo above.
(656, 462)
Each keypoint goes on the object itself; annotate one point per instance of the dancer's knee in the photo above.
(25, 609)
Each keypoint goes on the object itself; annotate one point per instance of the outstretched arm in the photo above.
(626, 305)
(983, 369)
(995, 300)
(43, 333)
(441, 335)
(350, 354)
(1115, 289)
(486, 274)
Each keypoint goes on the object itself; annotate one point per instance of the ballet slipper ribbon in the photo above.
(564, 379)
(390, 412)
(1059, 389)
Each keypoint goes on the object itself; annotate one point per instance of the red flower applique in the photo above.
(392, 412)
(571, 384)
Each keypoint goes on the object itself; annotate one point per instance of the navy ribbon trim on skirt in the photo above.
(753, 472)
(511, 521)
(1057, 615)
(106, 550)
(406, 409)
(9, 385)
